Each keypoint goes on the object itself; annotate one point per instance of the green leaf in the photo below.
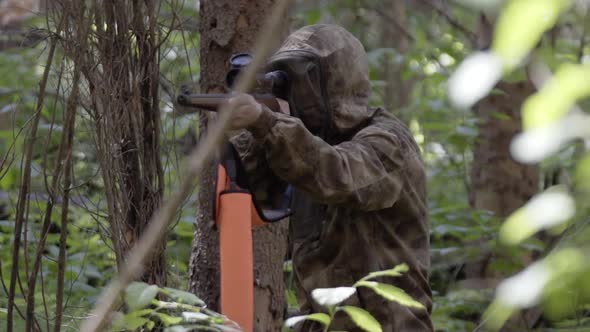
(320, 317)
(121, 321)
(545, 210)
(332, 296)
(184, 297)
(582, 176)
(133, 323)
(192, 317)
(521, 26)
(496, 315)
(317, 317)
(391, 293)
(167, 319)
(140, 295)
(555, 99)
(140, 313)
(395, 272)
(362, 318)
(150, 325)
(178, 329)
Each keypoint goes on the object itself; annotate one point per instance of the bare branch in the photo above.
(70, 123)
(471, 36)
(396, 23)
(64, 212)
(21, 39)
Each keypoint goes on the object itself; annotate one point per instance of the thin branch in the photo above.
(471, 36)
(44, 166)
(5, 289)
(395, 22)
(202, 154)
(70, 124)
(65, 205)
(21, 39)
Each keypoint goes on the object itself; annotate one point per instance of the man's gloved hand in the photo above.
(245, 111)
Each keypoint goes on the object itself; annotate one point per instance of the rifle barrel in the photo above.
(212, 102)
(209, 102)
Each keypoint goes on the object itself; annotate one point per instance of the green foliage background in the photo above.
(445, 133)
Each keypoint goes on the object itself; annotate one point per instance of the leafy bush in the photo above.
(330, 298)
(182, 312)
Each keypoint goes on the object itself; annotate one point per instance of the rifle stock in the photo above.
(212, 102)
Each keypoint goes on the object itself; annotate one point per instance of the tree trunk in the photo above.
(229, 27)
(395, 34)
(499, 183)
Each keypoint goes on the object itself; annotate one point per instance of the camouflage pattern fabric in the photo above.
(360, 198)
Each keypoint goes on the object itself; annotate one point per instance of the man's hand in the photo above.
(245, 111)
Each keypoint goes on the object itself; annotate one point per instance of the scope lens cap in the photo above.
(240, 60)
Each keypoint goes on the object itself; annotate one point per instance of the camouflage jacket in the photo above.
(360, 200)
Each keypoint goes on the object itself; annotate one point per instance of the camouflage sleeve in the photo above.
(366, 172)
(266, 186)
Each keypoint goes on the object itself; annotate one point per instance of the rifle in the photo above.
(213, 101)
(268, 88)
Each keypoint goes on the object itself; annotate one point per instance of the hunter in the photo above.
(359, 199)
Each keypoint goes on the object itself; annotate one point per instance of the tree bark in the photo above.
(499, 183)
(394, 34)
(228, 27)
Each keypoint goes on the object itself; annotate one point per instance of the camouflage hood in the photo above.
(328, 68)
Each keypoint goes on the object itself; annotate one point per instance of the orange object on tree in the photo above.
(236, 213)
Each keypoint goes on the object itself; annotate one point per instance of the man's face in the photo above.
(304, 91)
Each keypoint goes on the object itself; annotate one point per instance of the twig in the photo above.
(471, 36)
(203, 153)
(64, 233)
(5, 289)
(70, 125)
(47, 188)
(45, 308)
(395, 22)
(21, 39)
